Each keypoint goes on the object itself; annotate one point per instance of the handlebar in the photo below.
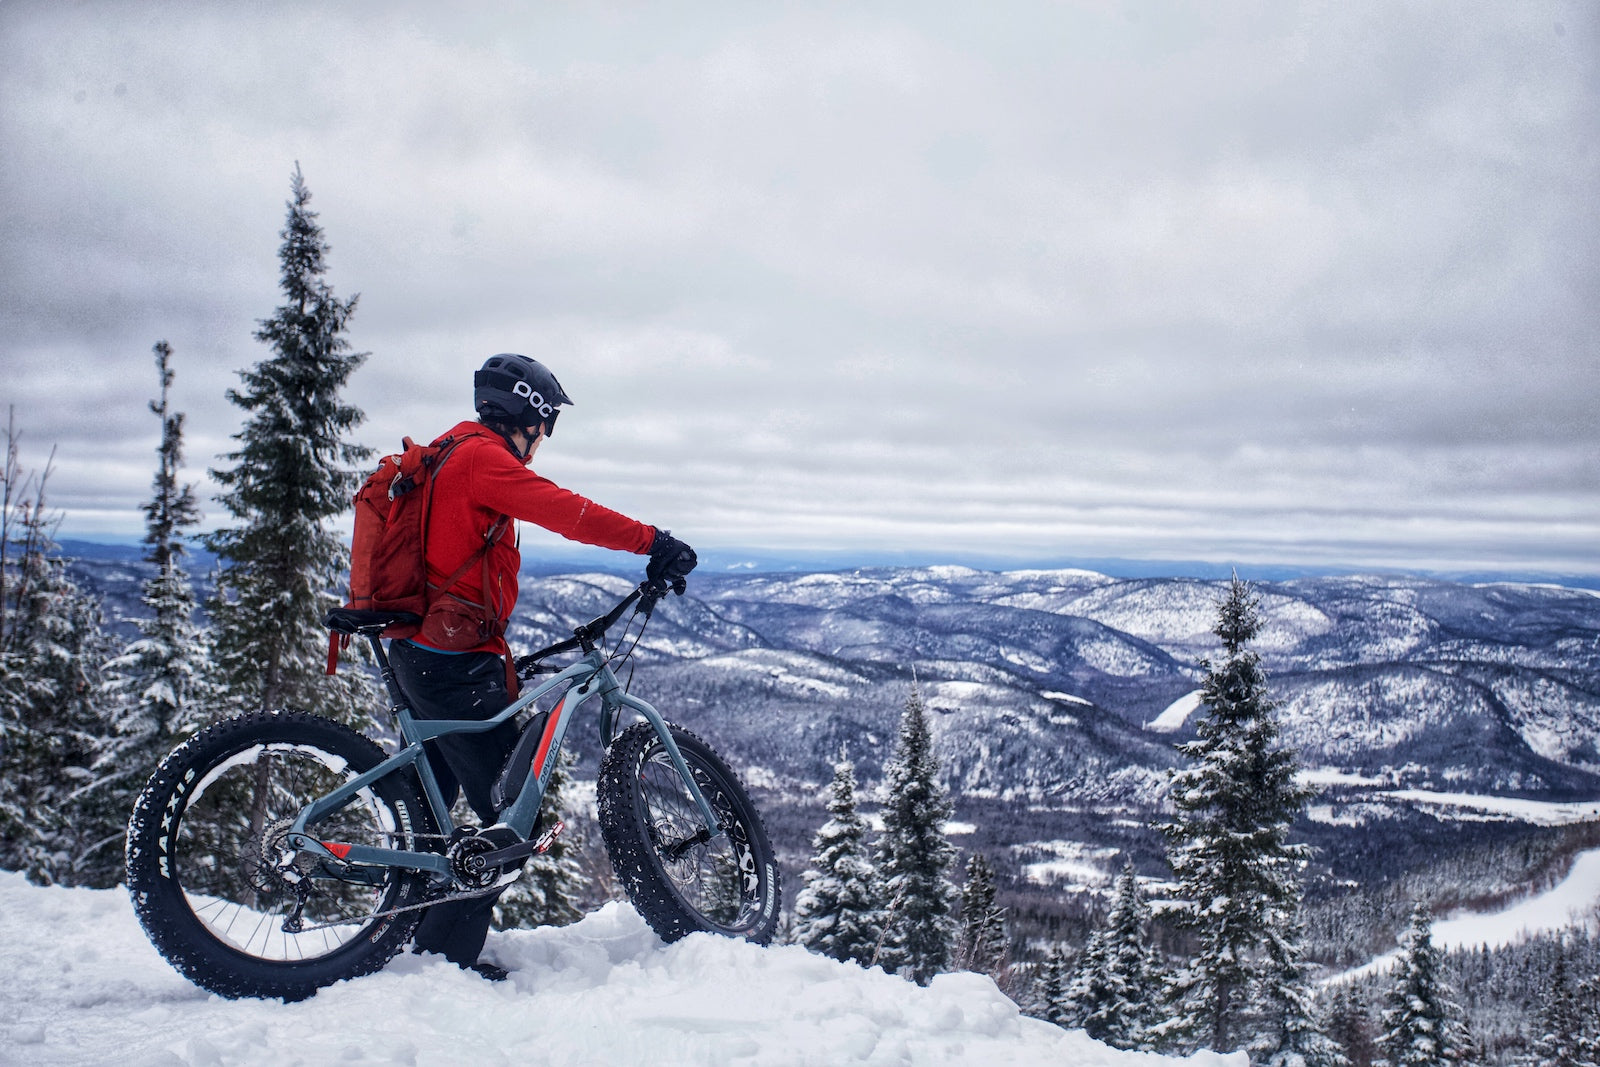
(586, 637)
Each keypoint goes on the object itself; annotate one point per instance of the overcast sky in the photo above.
(1290, 283)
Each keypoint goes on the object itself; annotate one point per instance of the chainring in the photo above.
(466, 853)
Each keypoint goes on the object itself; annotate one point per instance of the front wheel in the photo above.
(227, 902)
(681, 879)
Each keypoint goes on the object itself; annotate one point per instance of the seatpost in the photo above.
(397, 699)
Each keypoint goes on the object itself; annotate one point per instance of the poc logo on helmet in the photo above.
(524, 390)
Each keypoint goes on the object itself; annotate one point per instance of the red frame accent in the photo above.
(548, 738)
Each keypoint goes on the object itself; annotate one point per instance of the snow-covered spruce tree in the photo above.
(52, 727)
(914, 854)
(1350, 1026)
(279, 562)
(1558, 1030)
(156, 684)
(1228, 845)
(839, 912)
(1087, 990)
(1295, 1033)
(1117, 994)
(981, 943)
(1052, 990)
(1588, 998)
(547, 893)
(1422, 1024)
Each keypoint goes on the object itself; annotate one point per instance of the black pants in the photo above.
(469, 685)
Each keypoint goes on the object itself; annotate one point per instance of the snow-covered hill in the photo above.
(1048, 681)
(83, 986)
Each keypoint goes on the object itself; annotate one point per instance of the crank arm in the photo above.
(523, 849)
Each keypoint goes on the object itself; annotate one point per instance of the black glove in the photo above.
(670, 561)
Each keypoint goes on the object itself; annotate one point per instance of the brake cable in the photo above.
(627, 657)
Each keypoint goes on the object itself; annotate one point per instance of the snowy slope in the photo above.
(83, 986)
(1574, 902)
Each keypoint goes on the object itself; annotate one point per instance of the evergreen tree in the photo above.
(280, 562)
(1296, 1034)
(913, 854)
(1089, 991)
(52, 728)
(1558, 1036)
(1052, 998)
(547, 893)
(1422, 1025)
(838, 913)
(156, 685)
(1117, 994)
(982, 942)
(1229, 844)
(1350, 1026)
(1588, 1001)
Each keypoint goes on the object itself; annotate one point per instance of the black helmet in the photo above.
(517, 390)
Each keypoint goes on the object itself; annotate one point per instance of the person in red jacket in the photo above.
(485, 483)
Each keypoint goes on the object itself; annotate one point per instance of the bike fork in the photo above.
(617, 699)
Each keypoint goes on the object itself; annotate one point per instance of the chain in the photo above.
(451, 898)
(500, 883)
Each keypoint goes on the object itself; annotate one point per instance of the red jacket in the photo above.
(481, 481)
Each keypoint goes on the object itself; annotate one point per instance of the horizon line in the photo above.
(718, 561)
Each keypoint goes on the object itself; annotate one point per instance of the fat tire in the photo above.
(672, 895)
(156, 855)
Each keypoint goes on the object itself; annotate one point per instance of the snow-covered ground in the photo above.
(1075, 863)
(83, 986)
(1537, 812)
(1574, 901)
(1458, 805)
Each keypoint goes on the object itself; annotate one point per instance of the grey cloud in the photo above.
(1269, 279)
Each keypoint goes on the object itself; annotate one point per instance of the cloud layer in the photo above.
(1290, 283)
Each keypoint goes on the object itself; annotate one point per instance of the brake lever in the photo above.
(650, 594)
(529, 666)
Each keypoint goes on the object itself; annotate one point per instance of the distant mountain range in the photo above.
(548, 554)
(1053, 685)
(1069, 684)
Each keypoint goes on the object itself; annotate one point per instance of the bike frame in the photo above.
(591, 676)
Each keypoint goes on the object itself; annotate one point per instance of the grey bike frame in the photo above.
(590, 676)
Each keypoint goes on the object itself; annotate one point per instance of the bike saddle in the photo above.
(356, 621)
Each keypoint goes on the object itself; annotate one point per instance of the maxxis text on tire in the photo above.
(205, 836)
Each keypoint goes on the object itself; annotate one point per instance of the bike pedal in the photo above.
(548, 838)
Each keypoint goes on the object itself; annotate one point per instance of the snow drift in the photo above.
(82, 985)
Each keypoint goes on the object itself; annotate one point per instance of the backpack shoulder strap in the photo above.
(447, 446)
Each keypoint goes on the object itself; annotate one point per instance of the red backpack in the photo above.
(389, 550)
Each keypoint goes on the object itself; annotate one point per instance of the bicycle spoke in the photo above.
(227, 860)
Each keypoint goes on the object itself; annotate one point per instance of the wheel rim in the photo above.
(228, 851)
(717, 878)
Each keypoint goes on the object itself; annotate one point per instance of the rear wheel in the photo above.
(222, 897)
(681, 879)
